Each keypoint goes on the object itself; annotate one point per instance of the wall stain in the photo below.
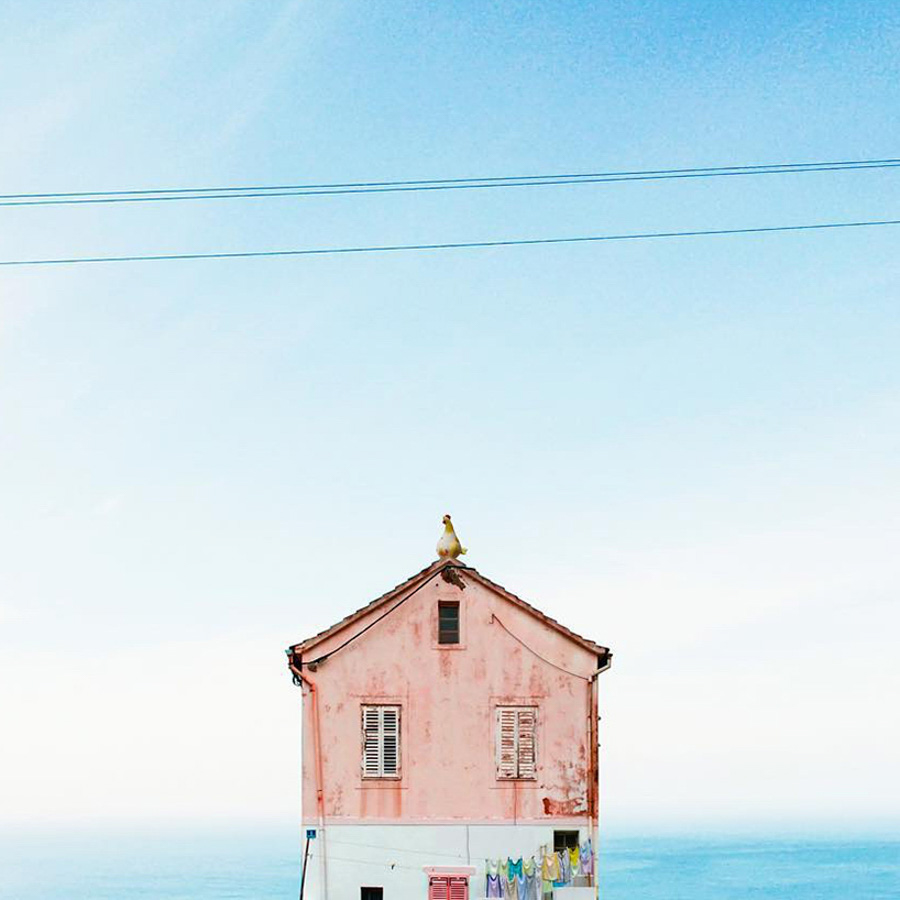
(564, 807)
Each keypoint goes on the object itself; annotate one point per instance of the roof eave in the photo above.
(411, 582)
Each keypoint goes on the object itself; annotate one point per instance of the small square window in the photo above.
(565, 840)
(371, 893)
(448, 622)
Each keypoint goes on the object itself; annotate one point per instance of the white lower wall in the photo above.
(392, 856)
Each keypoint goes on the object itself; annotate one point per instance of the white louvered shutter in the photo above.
(516, 742)
(525, 742)
(390, 741)
(381, 741)
(506, 742)
(371, 742)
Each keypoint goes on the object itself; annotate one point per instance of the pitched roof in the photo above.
(418, 579)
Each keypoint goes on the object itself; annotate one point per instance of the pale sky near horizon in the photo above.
(686, 450)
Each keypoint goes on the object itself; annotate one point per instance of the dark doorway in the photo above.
(371, 893)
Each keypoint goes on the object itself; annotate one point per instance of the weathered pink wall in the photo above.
(448, 696)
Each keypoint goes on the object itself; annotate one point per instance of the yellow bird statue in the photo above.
(449, 545)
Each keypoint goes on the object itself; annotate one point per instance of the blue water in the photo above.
(177, 864)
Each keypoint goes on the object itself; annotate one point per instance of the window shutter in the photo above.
(459, 889)
(516, 742)
(438, 889)
(390, 737)
(525, 747)
(448, 887)
(506, 742)
(381, 741)
(371, 742)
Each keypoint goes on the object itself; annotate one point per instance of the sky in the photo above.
(686, 449)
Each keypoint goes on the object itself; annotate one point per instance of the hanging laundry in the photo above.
(574, 860)
(492, 875)
(587, 858)
(515, 868)
(520, 886)
(565, 867)
(550, 867)
(532, 879)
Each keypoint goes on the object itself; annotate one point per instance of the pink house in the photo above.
(448, 725)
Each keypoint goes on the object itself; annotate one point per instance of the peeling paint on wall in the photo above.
(448, 698)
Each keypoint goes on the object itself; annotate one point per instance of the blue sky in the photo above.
(686, 449)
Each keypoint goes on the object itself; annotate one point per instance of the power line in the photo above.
(153, 195)
(453, 245)
(531, 649)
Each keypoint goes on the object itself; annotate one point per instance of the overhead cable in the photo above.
(243, 192)
(450, 245)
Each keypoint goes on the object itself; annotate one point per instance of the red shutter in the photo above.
(439, 889)
(459, 889)
(448, 887)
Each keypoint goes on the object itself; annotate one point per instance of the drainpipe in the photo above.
(594, 768)
(301, 679)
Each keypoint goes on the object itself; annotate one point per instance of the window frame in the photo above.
(499, 737)
(381, 774)
(566, 834)
(456, 887)
(449, 604)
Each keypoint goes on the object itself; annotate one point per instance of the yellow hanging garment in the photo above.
(550, 867)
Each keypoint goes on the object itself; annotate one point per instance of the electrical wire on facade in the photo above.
(534, 652)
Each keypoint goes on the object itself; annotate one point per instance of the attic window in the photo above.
(448, 622)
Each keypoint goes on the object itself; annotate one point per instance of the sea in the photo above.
(90, 863)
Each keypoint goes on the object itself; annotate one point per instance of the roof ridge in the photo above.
(422, 576)
(435, 566)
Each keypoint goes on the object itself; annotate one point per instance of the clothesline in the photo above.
(526, 879)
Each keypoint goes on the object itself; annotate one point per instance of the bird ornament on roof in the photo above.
(449, 547)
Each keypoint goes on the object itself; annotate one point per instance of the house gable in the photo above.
(354, 626)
